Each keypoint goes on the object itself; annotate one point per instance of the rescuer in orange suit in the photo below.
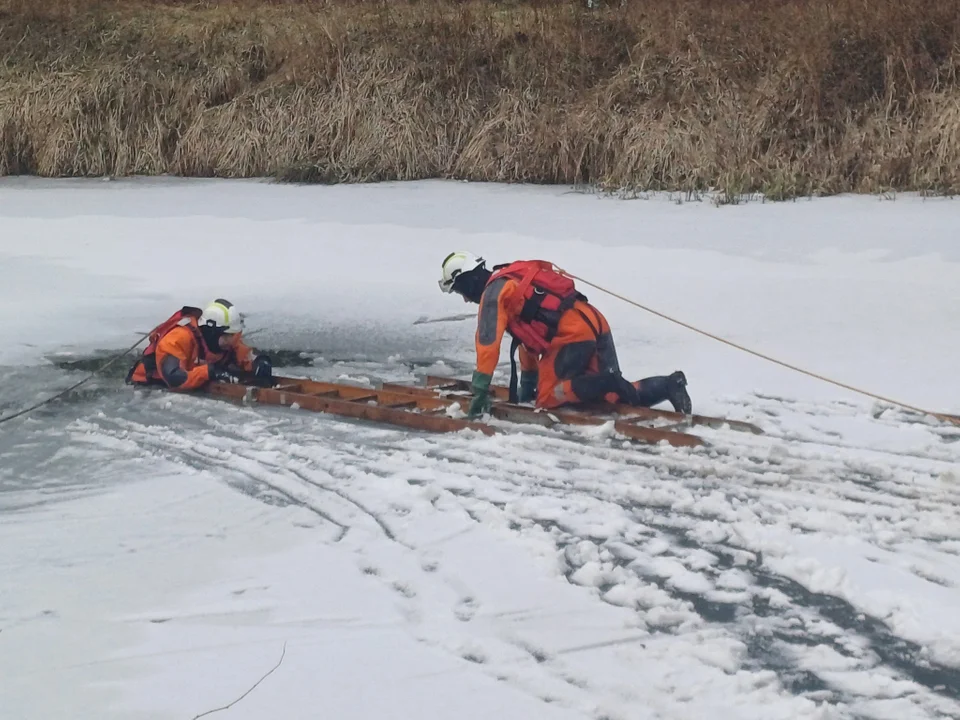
(193, 347)
(566, 347)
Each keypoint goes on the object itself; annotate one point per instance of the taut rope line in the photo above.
(940, 416)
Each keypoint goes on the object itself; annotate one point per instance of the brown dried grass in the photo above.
(785, 97)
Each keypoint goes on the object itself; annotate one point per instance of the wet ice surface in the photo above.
(159, 550)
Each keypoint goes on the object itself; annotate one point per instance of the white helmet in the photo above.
(455, 264)
(223, 315)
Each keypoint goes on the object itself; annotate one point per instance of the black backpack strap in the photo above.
(594, 328)
(514, 394)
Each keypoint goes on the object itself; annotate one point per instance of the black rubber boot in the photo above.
(660, 388)
(679, 397)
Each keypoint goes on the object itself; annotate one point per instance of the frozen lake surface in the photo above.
(159, 552)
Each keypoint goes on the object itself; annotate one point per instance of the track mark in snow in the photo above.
(353, 501)
(605, 644)
(291, 497)
(404, 589)
(262, 481)
(466, 609)
(474, 655)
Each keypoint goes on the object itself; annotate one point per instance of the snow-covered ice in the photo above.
(159, 552)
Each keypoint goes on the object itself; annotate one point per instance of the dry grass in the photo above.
(785, 97)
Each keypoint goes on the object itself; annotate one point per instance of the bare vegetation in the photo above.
(786, 97)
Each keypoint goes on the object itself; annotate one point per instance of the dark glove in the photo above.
(528, 386)
(218, 374)
(262, 371)
(481, 394)
(263, 367)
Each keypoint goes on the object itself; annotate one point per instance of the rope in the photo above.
(953, 419)
(283, 654)
(73, 387)
(89, 377)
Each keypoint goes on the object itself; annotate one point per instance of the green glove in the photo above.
(481, 394)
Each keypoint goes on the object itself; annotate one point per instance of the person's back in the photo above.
(182, 361)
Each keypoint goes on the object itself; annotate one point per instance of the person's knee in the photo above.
(591, 388)
(573, 358)
(555, 395)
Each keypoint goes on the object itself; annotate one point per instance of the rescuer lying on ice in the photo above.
(566, 346)
(208, 346)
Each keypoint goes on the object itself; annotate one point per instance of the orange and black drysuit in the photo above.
(562, 339)
(566, 345)
(179, 357)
